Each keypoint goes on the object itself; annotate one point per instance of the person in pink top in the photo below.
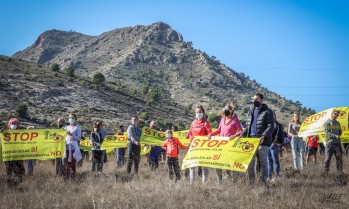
(229, 126)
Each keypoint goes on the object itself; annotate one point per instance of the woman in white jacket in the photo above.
(72, 151)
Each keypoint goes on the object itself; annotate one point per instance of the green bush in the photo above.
(70, 71)
(144, 115)
(22, 110)
(55, 67)
(98, 78)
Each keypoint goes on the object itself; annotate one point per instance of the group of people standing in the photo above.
(261, 123)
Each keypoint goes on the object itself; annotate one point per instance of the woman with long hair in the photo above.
(297, 144)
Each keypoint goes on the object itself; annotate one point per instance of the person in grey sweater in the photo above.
(333, 133)
(134, 148)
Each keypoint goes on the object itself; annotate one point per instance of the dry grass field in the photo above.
(153, 189)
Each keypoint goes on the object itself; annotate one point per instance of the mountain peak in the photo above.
(154, 61)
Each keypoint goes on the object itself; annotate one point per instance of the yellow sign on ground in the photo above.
(219, 152)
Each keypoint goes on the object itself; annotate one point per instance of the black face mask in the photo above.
(226, 112)
(60, 126)
(256, 103)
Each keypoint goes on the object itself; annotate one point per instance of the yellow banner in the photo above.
(149, 137)
(152, 137)
(181, 135)
(42, 144)
(314, 124)
(221, 153)
(115, 141)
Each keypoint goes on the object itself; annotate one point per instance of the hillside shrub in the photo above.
(98, 78)
(70, 71)
(22, 110)
(55, 67)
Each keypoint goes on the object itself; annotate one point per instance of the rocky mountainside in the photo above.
(50, 95)
(154, 65)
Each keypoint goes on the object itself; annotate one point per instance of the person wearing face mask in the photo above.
(229, 126)
(14, 168)
(260, 124)
(97, 153)
(72, 152)
(199, 127)
(171, 146)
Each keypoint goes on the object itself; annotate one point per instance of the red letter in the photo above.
(147, 131)
(222, 142)
(215, 142)
(22, 136)
(33, 135)
(195, 143)
(15, 134)
(7, 137)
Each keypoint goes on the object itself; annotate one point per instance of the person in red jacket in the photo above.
(313, 146)
(199, 127)
(171, 146)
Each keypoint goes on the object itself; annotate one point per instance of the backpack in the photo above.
(279, 135)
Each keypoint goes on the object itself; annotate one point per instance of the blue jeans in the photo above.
(262, 156)
(297, 145)
(154, 156)
(31, 164)
(120, 156)
(273, 159)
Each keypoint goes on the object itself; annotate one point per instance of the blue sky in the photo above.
(299, 49)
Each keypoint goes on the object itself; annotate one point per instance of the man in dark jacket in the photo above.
(260, 124)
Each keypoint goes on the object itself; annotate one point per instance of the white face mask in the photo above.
(168, 136)
(13, 126)
(199, 115)
(95, 129)
(71, 120)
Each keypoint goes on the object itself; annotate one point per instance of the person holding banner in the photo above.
(103, 134)
(97, 153)
(15, 167)
(333, 133)
(155, 150)
(312, 147)
(297, 144)
(199, 127)
(260, 124)
(171, 146)
(59, 161)
(72, 151)
(229, 126)
(120, 152)
(134, 133)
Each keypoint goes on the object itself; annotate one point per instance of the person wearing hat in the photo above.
(229, 126)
